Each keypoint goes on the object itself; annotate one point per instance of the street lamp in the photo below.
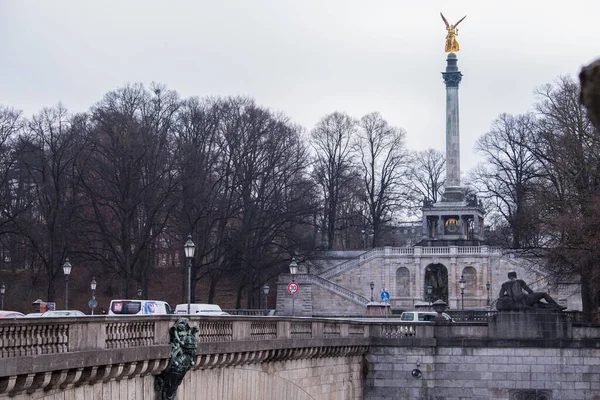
(487, 287)
(363, 239)
(429, 290)
(2, 291)
(266, 292)
(189, 248)
(372, 284)
(67, 270)
(93, 302)
(462, 284)
(293, 270)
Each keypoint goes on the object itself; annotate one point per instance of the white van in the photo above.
(139, 307)
(200, 309)
(421, 316)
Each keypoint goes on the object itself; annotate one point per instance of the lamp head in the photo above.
(266, 289)
(189, 247)
(462, 282)
(2, 288)
(93, 284)
(372, 284)
(67, 267)
(293, 266)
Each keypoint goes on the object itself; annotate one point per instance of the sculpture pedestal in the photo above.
(378, 309)
(529, 325)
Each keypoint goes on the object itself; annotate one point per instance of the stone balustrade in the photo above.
(54, 353)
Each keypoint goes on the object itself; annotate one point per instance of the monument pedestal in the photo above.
(529, 325)
(378, 309)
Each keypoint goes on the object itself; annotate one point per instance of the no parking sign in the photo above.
(293, 287)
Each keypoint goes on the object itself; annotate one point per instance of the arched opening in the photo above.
(436, 275)
(470, 276)
(402, 282)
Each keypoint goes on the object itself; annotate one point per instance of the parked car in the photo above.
(62, 313)
(10, 314)
(139, 307)
(421, 316)
(200, 309)
(33, 315)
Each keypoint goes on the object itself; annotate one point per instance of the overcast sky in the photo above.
(305, 58)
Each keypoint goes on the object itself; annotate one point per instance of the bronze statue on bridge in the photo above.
(184, 347)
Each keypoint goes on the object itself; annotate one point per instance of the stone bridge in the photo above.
(102, 357)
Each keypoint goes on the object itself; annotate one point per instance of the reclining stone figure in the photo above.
(515, 295)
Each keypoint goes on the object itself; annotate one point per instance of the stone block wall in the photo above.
(332, 378)
(482, 373)
(327, 302)
(126, 389)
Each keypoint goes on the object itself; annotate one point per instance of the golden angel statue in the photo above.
(451, 43)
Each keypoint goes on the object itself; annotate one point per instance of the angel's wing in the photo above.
(445, 21)
(456, 24)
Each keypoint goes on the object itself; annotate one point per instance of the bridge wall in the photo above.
(238, 357)
(298, 358)
(322, 378)
(484, 370)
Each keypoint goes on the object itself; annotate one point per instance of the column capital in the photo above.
(452, 79)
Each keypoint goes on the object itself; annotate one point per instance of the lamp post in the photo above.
(429, 290)
(67, 270)
(266, 292)
(462, 284)
(189, 248)
(487, 287)
(2, 291)
(372, 285)
(93, 302)
(293, 270)
(363, 239)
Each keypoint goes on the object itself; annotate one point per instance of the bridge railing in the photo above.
(45, 336)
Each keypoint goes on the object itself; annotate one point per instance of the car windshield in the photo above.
(418, 316)
(407, 317)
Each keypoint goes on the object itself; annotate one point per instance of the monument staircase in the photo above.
(324, 279)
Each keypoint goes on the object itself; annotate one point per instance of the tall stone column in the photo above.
(452, 78)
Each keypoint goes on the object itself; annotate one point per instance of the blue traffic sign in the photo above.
(385, 296)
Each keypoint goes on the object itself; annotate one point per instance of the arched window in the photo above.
(402, 282)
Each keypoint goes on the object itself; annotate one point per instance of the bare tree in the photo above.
(383, 161)
(568, 147)
(508, 176)
(425, 178)
(332, 140)
(130, 179)
(11, 185)
(48, 152)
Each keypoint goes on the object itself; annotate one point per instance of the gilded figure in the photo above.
(451, 42)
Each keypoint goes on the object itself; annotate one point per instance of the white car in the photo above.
(200, 309)
(62, 313)
(139, 307)
(421, 316)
